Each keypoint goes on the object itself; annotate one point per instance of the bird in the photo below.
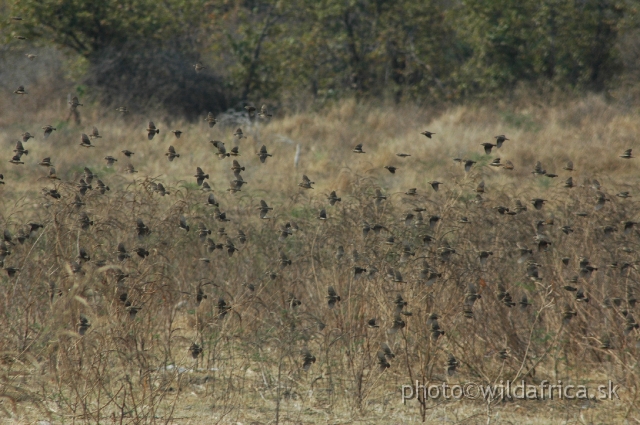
(427, 134)
(211, 120)
(200, 176)
(85, 142)
(627, 154)
(122, 109)
(538, 203)
(480, 187)
(151, 130)
(333, 198)
(211, 201)
(48, 129)
(435, 184)
(83, 325)
(508, 165)
(16, 160)
(129, 169)
(26, 136)
(391, 168)
(20, 90)
(333, 297)
(264, 210)
(198, 67)
(74, 102)
(250, 110)
(262, 154)
(239, 134)
(307, 358)
(171, 154)
(322, 215)
(195, 350)
(52, 173)
(83, 186)
(568, 166)
(468, 163)
(500, 140)
(452, 364)
(142, 228)
(538, 170)
(183, 224)
(488, 147)
(402, 155)
(306, 183)
(222, 151)
(496, 163)
(264, 113)
(235, 151)
(379, 197)
(19, 150)
(127, 153)
(236, 166)
(358, 148)
(177, 133)
(101, 187)
(95, 134)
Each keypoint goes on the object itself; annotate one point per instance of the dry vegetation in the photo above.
(134, 363)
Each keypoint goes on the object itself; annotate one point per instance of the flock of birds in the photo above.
(414, 232)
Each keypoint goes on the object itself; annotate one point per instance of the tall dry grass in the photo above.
(137, 368)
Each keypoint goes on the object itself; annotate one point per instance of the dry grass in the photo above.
(139, 370)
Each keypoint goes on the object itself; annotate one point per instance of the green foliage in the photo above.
(328, 49)
(565, 43)
(88, 26)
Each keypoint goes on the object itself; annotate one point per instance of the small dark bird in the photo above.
(568, 166)
(239, 134)
(200, 176)
(250, 110)
(142, 252)
(488, 147)
(48, 129)
(211, 119)
(195, 350)
(128, 153)
(538, 203)
(83, 325)
(391, 168)
(177, 133)
(627, 154)
(427, 134)
(183, 224)
(151, 130)
(171, 153)
(85, 142)
(382, 361)
(452, 364)
(496, 163)
(20, 90)
(211, 201)
(16, 160)
(263, 154)
(307, 358)
(74, 103)
(402, 155)
(84, 221)
(333, 198)
(323, 214)
(236, 166)
(500, 140)
(101, 187)
(435, 184)
(19, 150)
(264, 210)
(333, 297)
(264, 113)
(222, 150)
(358, 148)
(372, 323)
(306, 183)
(468, 164)
(122, 252)
(141, 228)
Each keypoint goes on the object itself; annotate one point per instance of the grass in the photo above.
(138, 368)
